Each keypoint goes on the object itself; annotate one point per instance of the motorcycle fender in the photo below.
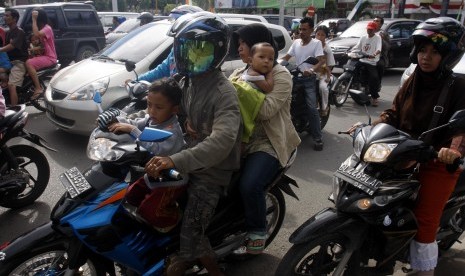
(36, 139)
(29, 242)
(324, 222)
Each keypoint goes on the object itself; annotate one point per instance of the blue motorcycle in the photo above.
(93, 230)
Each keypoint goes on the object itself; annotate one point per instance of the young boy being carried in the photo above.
(253, 84)
(155, 201)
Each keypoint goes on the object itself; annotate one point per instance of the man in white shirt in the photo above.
(370, 45)
(301, 49)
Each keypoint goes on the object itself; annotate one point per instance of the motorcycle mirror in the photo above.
(359, 96)
(283, 62)
(457, 120)
(130, 65)
(154, 135)
(311, 60)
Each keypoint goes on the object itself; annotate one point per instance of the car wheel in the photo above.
(84, 52)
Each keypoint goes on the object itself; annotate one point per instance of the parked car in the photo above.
(342, 24)
(250, 17)
(399, 30)
(69, 94)
(274, 19)
(458, 69)
(77, 29)
(107, 18)
(126, 27)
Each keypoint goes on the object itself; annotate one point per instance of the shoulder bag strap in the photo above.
(439, 108)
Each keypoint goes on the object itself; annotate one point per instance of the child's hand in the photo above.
(121, 128)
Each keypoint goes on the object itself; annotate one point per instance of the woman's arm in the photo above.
(35, 28)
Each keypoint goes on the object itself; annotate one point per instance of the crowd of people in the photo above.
(222, 134)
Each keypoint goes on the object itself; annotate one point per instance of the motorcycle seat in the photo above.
(11, 113)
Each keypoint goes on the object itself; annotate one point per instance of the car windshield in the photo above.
(137, 44)
(357, 30)
(127, 26)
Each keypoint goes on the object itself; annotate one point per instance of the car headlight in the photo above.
(101, 149)
(87, 92)
(379, 152)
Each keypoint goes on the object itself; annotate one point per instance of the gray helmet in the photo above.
(447, 36)
(201, 42)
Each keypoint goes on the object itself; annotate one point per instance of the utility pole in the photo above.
(444, 7)
(401, 9)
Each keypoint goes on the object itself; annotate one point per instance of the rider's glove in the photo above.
(107, 117)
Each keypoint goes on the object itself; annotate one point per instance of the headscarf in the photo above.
(253, 34)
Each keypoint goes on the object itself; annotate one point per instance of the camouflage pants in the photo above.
(200, 208)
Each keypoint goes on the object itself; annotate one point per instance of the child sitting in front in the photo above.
(261, 63)
(36, 48)
(324, 72)
(156, 201)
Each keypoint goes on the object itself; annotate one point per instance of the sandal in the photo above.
(253, 244)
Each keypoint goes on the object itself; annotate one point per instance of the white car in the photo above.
(69, 96)
(458, 69)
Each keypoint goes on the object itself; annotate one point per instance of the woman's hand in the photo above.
(448, 156)
(121, 128)
(35, 14)
(157, 164)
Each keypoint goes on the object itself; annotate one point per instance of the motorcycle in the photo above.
(299, 109)
(374, 191)
(26, 91)
(350, 82)
(93, 231)
(24, 170)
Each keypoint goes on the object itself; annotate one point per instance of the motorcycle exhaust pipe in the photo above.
(359, 95)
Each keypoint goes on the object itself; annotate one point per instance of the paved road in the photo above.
(312, 170)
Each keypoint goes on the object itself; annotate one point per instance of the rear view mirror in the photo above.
(457, 120)
(154, 135)
(311, 60)
(130, 65)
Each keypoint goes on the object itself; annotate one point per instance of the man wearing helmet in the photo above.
(432, 89)
(370, 45)
(145, 18)
(201, 43)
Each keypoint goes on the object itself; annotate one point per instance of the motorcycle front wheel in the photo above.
(51, 259)
(33, 163)
(320, 256)
(339, 92)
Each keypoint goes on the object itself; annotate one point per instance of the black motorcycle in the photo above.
(26, 91)
(373, 193)
(24, 170)
(350, 82)
(299, 109)
(93, 230)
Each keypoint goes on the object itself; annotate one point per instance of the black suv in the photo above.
(399, 31)
(76, 26)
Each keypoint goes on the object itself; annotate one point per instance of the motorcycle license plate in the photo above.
(358, 179)
(74, 182)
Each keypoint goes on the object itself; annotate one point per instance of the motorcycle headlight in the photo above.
(101, 149)
(378, 153)
(86, 93)
(337, 182)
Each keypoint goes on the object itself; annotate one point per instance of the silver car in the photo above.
(69, 96)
